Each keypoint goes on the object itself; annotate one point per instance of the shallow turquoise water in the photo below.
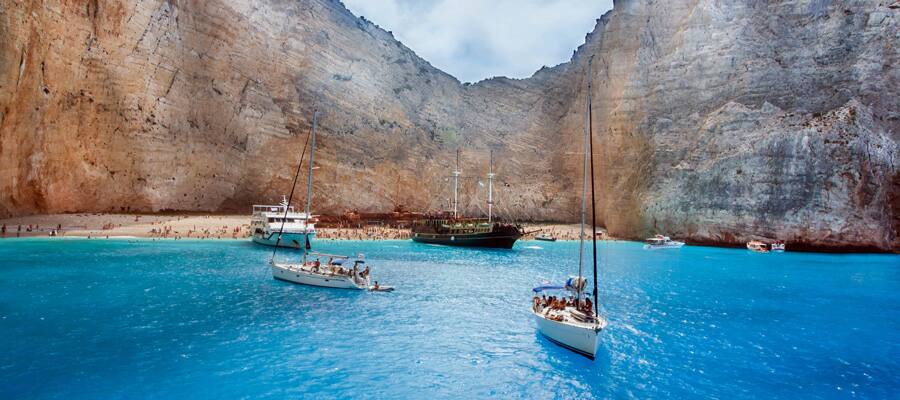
(202, 319)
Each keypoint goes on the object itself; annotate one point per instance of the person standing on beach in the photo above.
(3, 229)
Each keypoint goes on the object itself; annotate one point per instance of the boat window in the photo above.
(271, 219)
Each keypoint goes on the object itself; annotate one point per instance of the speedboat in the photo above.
(331, 273)
(545, 238)
(269, 222)
(662, 242)
(568, 320)
(757, 246)
(777, 246)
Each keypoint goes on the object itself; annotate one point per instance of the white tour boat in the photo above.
(777, 246)
(573, 321)
(662, 242)
(266, 224)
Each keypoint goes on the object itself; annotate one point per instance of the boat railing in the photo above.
(269, 208)
(328, 255)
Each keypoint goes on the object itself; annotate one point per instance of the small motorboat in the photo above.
(777, 246)
(380, 288)
(757, 246)
(545, 238)
(662, 242)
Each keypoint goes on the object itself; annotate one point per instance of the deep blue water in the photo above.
(202, 319)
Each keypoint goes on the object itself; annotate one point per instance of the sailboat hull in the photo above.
(581, 339)
(295, 274)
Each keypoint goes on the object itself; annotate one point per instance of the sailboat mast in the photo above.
(309, 179)
(584, 186)
(593, 194)
(491, 189)
(290, 198)
(456, 187)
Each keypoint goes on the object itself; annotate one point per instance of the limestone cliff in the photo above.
(715, 121)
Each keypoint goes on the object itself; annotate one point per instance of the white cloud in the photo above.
(477, 39)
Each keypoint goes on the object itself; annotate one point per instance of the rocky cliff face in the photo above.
(714, 121)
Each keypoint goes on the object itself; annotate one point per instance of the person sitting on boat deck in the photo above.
(556, 304)
(365, 272)
(588, 306)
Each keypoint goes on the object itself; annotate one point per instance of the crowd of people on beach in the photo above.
(363, 233)
(30, 230)
(174, 228)
(219, 232)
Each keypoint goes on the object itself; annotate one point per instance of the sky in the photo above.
(479, 39)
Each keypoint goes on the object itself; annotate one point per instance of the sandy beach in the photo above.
(197, 226)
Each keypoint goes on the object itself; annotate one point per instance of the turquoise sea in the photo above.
(204, 319)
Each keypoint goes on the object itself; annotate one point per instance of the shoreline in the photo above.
(211, 227)
(206, 226)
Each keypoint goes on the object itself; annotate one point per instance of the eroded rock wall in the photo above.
(714, 121)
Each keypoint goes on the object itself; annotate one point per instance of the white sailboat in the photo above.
(572, 320)
(312, 270)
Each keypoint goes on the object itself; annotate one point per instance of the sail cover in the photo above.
(576, 283)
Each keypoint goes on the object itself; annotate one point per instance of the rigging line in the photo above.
(291, 196)
(593, 200)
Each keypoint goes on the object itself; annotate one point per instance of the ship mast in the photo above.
(456, 174)
(491, 188)
(593, 194)
(309, 179)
